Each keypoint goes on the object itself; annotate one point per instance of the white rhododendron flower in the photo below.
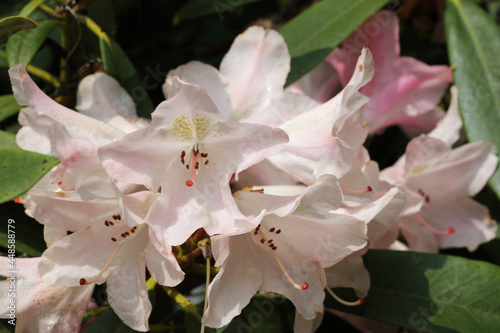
(191, 151)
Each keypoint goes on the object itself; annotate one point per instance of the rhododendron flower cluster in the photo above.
(277, 182)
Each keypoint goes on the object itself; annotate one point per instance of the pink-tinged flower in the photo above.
(191, 151)
(404, 91)
(111, 251)
(439, 183)
(52, 129)
(255, 94)
(252, 92)
(320, 138)
(38, 306)
(109, 241)
(286, 253)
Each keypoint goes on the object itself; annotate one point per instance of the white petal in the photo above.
(101, 97)
(255, 68)
(350, 273)
(207, 77)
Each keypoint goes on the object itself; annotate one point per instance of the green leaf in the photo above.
(8, 106)
(3, 60)
(29, 233)
(430, 292)
(5, 327)
(312, 35)
(23, 46)
(30, 7)
(119, 66)
(20, 170)
(8, 140)
(200, 8)
(11, 25)
(473, 47)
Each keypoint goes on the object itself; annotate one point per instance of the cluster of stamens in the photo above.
(124, 235)
(263, 240)
(270, 244)
(194, 166)
(426, 197)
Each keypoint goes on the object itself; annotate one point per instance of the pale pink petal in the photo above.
(208, 78)
(448, 129)
(101, 97)
(380, 34)
(307, 325)
(127, 294)
(255, 68)
(314, 149)
(42, 308)
(380, 213)
(464, 170)
(28, 94)
(424, 123)
(82, 254)
(470, 220)
(411, 89)
(350, 273)
(66, 209)
(163, 267)
(263, 173)
(233, 287)
(404, 91)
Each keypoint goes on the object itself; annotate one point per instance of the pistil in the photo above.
(340, 300)
(426, 224)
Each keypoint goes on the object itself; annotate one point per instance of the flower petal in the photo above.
(266, 65)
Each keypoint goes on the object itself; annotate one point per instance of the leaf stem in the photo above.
(49, 11)
(150, 284)
(183, 302)
(207, 282)
(44, 75)
(95, 28)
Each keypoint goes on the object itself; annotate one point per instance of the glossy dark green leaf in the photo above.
(8, 106)
(312, 35)
(11, 25)
(28, 232)
(473, 47)
(30, 7)
(200, 8)
(20, 170)
(7, 140)
(120, 67)
(430, 292)
(23, 46)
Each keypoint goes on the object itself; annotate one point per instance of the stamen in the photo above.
(303, 285)
(94, 280)
(434, 230)
(365, 190)
(340, 300)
